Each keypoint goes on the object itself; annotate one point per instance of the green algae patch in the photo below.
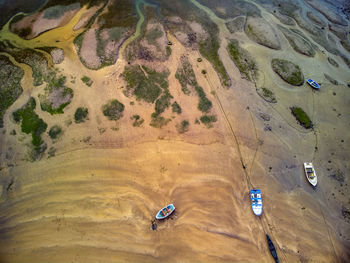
(288, 71)
(81, 114)
(242, 60)
(31, 124)
(10, 87)
(301, 117)
(113, 110)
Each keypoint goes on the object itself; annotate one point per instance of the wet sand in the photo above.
(96, 199)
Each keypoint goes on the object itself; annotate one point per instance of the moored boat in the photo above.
(165, 211)
(313, 84)
(256, 201)
(272, 248)
(310, 173)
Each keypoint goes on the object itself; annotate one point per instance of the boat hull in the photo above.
(272, 248)
(310, 173)
(313, 84)
(256, 201)
(165, 212)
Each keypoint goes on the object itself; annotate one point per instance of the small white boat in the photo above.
(256, 201)
(310, 173)
(165, 212)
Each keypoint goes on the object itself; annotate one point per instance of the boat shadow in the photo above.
(156, 222)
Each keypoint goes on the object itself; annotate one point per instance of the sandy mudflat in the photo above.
(97, 204)
(95, 200)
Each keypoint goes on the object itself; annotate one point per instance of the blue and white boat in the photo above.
(165, 212)
(313, 84)
(256, 201)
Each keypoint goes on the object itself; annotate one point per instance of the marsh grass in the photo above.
(137, 120)
(163, 102)
(158, 121)
(88, 82)
(186, 77)
(55, 132)
(301, 117)
(146, 88)
(242, 60)
(31, 124)
(113, 110)
(81, 114)
(168, 51)
(150, 86)
(268, 95)
(288, 71)
(208, 120)
(10, 85)
(176, 108)
(183, 126)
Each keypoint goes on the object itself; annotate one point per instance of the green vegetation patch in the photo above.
(163, 102)
(288, 71)
(208, 120)
(38, 63)
(137, 120)
(81, 114)
(267, 94)
(146, 84)
(301, 117)
(113, 110)
(158, 121)
(88, 82)
(150, 86)
(176, 108)
(56, 96)
(187, 78)
(209, 49)
(31, 124)
(55, 132)
(183, 126)
(10, 85)
(185, 75)
(168, 51)
(204, 103)
(208, 44)
(242, 60)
